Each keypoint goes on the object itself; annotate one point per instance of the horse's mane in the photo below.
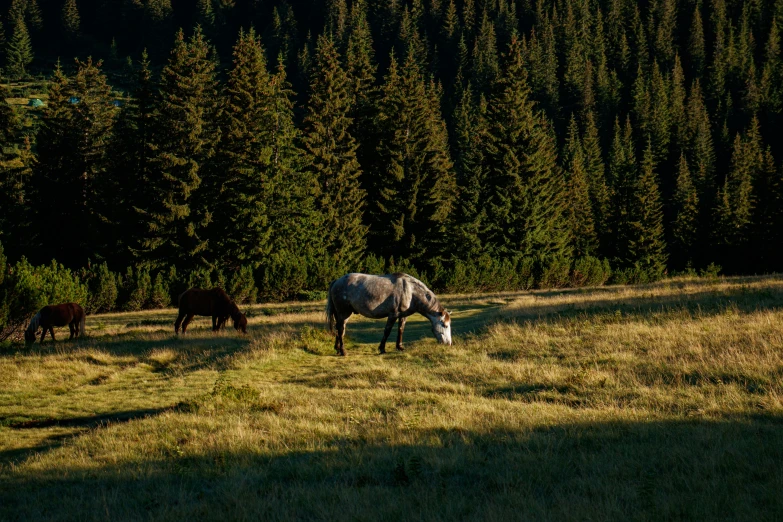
(34, 323)
(433, 305)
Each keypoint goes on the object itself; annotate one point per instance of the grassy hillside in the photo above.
(646, 403)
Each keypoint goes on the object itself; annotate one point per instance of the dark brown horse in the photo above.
(48, 317)
(215, 303)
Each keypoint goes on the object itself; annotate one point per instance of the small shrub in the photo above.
(243, 287)
(136, 289)
(27, 288)
(374, 265)
(283, 276)
(553, 272)
(159, 293)
(711, 271)
(590, 271)
(102, 286)
(200, 278)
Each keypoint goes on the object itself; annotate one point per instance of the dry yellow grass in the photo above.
(648, 403)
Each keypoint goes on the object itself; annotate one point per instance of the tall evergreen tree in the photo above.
(332, 151)
(19, 52)
(129, 179)
(71, 21)
(525, 214)
(412, 184)
(600, 196)
(579, 210)
(72, 161)
(646, 247)
(685, 226)
(185, 138)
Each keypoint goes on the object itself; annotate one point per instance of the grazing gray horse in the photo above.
(394, 296)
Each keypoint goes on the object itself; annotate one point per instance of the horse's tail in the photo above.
(330, 315)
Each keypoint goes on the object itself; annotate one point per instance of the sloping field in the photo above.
(657, 402)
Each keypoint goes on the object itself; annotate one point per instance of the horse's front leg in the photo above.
(43, 335)
(51, 331)
(399, 332)
(72, 328)
(386, 331)
(178, 322)
(215, 323)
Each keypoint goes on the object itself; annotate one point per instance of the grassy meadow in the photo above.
(654, 402)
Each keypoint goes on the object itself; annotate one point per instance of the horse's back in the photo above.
(61, 314)
(373, 295)
(199, 301)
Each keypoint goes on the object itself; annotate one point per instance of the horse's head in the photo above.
(441, 326)
(29, 335)
(240, 322)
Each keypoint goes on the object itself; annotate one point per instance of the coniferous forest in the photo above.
(481, 144)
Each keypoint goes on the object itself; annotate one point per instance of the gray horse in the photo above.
(394, 296)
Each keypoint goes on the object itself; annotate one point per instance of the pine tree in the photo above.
(332, 152)
(184, 141)
(685, 227)
(130, 173)
(470, 138)
(579, 211)
(698, 55)
(240, 228)
(19, 53)
(600, 197)
(525, 214)
(293, 218)
(622, 176)
(72, 161)
(647, 248)
(768, 215)
(411, 186)
(70, 19)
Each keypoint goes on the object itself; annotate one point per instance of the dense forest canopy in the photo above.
(301, 139)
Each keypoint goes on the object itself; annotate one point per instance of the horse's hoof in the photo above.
(400, 349)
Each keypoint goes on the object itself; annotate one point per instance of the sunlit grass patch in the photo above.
(653, 402)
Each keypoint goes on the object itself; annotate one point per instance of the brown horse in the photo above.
(215, 303)
(56, 315)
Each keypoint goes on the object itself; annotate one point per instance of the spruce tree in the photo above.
(332, 151)
(685, 226)
(411, 185)
(70, 19)
(129, 179)
(646, 246)
(72, 162)
(525, 214)
(622, 177)
(185, 138)
(698, 55)
(600, 196)
(579, 211)
(19, 52)
(240, 228)
(470, 137)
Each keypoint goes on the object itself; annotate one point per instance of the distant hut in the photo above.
(35, 103)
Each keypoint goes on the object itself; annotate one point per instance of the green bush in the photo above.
(102, 286)
(554, 272)
(243, 287)
(26, 289)
(159, 296)
(590, 271)
(282, 277)
(374, 265)
(136, 289)
(200, 278)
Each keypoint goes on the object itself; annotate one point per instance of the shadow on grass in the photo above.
(79, 425)
(662, 470)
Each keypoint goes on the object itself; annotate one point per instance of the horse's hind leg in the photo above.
(386, 331)
(339, 345)
(187, 322)
(399, 333)
(51, 331)
(178, 322)
(72, 328)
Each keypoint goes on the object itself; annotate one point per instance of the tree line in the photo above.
(451, 138)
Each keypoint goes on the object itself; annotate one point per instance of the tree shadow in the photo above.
(723, 469)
